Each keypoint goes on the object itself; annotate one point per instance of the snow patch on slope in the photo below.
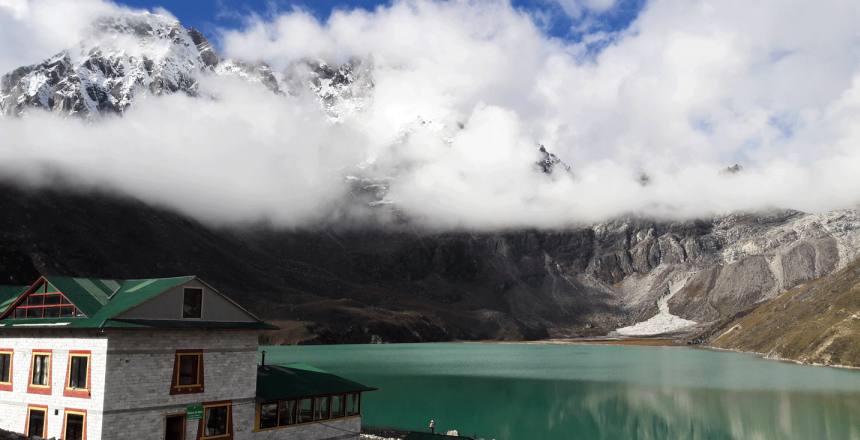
(663, 321)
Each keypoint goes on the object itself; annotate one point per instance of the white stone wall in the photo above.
(13, 405)
(131, 374)
(140, 369)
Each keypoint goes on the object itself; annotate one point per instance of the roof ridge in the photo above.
(116, 279)
(156, 278)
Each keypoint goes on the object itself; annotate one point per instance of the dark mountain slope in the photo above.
(399, 284)
(350, 285)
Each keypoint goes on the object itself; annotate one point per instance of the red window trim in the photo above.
(27, 418)
(75, 392)
(41, 282)
(229, 435)
(7, 386)
(175, 388)
(20, 302)
(66, 413)
(39, 389)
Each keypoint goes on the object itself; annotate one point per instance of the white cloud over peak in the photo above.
(464, 92)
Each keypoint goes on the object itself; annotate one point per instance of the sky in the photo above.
(649, 102)
(560, 18)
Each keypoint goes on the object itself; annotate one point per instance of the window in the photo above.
(287, 412)
(75, 425)
(78, 374)
(40, 372)
(321, 408)
(192, 305)
(217, 421)
(187, 372)
(37, 421)
(268, 415)
(274, 414)
(5, 370)
(306, 413)
(46, 305)
(337, 406)
(353, 404)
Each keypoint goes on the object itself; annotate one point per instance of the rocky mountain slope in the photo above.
(359, 285)
(816, 322)
(633, 276)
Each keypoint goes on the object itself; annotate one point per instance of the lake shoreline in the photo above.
(651, 342)
(780, 359)
(662, 342)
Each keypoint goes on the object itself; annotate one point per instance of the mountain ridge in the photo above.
(395, 282)
(408, 285)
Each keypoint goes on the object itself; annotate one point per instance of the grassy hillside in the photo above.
(816, 322)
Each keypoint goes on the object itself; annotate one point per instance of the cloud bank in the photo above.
(464, 92)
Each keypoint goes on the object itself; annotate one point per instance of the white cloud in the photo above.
(690, 88)
(575, 8)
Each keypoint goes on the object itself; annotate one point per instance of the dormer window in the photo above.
(46, 305)
(192, 305)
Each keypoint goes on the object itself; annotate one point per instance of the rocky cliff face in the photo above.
(348, 285)
(633, 275)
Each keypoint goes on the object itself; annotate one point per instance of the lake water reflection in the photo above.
(535, 391)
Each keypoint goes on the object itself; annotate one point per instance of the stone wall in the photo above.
(13, 405)
(131, 374)
(140, 369)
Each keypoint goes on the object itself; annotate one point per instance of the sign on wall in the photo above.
(194, 412)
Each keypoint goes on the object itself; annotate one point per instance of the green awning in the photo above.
(293, 381)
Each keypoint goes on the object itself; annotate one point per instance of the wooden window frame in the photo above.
(202, 294)
(175, 387)
(258, 414)
(85, 392)
(7, 386)
(184, 423)
(342, 406)
(202, 424)
(41, 389)
(327, 414)
(258, 410)
(77, 412)
(30, 408)
(356, 395)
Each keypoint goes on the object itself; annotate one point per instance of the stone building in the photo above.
(168, 358)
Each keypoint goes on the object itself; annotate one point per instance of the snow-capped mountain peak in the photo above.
(126, 55)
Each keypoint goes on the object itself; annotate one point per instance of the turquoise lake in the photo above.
(543, 391)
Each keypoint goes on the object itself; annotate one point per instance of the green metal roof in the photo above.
(293, 381)
(102, 300)
(8, 295)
